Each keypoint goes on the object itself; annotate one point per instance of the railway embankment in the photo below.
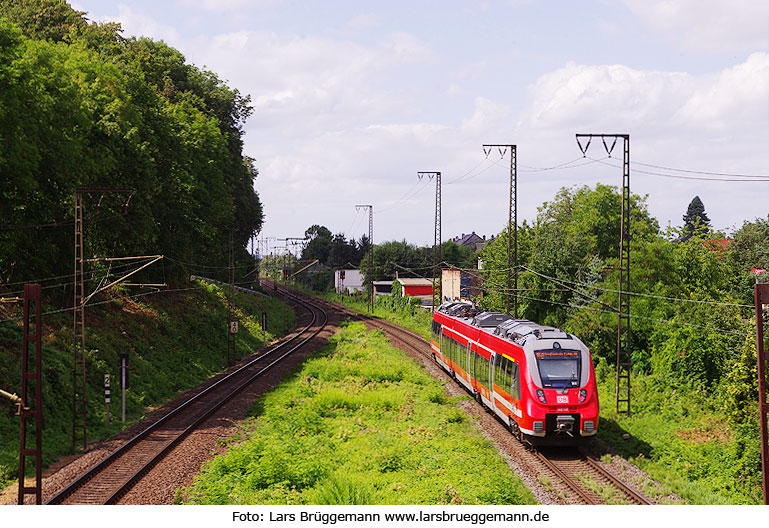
(359, 423)
(676, 446)
(174, 339)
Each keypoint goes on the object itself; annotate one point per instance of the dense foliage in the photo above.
(85, 107)
(359, 424)
(691, 297)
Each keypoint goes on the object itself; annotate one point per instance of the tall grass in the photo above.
(678, 434)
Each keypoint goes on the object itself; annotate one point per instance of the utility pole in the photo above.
(761, 292)
(623, 320)
(371, 252)
(437, 250)
(512, 222)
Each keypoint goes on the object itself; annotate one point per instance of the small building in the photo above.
(383, 287)
(416, 287)
(471, 240)
(348, 280)
(459, 284)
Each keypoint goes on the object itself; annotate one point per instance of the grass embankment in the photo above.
(175, 340)
(388, 308)
(680, 437)
(360, 423)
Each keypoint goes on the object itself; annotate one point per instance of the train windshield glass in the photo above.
(558, 367)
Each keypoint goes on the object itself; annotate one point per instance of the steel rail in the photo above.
(615, 481)
(564, 477)
(633, 494)
(125, 448)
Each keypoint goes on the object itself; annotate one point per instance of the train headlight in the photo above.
(582, 395)
(541, 396)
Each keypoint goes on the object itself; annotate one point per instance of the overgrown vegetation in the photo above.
(694, 394)
(174, 342)
(358, 424)
(694, 398)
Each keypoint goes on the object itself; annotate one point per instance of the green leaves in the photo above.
(97, 110)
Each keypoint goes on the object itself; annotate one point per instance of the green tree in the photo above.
(319, 245)
(573, 238)
(696, 221)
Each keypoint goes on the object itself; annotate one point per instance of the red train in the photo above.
(538, 379)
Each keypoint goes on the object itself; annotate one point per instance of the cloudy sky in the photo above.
(351, 99)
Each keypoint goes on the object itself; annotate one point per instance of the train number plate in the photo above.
(562, 399)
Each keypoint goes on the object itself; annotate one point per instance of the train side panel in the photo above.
(499, 374)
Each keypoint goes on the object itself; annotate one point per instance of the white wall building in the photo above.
(352, 281)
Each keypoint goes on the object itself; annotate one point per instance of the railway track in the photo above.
(592, 482)
(110, 479)
(586, 479)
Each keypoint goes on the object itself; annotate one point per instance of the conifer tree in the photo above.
(696, 221)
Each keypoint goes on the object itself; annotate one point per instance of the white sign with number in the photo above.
(233, 327)
(106, 381)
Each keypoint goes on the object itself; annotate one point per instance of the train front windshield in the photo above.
(559, 368)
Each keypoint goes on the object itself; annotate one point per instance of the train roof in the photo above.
(501, 324)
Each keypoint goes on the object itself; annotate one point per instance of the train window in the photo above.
(559, 367)
(482, 370)
(515, 381)
(468, 358)
(499, 366)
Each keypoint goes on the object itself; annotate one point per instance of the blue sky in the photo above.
(351, 99)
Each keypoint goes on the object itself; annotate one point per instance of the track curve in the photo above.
(587, 480)
(112, 477)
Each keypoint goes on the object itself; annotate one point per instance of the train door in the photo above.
(481, 369)
(442, 347)
(467, 365)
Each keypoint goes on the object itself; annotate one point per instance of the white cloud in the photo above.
(717, 122)
(708, 25)
(135, 23)
(608, 96)
(303, 83)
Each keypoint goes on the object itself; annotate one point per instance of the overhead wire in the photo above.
(681, 177)
(405, 196)
(632, 316)
(701, 172)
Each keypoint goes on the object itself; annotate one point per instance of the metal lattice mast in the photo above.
(232, 325)
(437, 250)
(623, 301)
(79, 406)
(512, 224)
(79, 401)
(761, 295)
(371, 252)
(31, 407)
